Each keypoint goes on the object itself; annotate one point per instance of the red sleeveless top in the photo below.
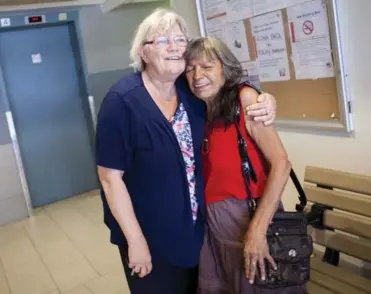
(222, 163)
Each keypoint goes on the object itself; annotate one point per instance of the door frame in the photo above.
(51, 18)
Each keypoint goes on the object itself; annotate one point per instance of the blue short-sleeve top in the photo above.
(133, 136)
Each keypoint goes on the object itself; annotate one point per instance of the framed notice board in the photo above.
(291, 49)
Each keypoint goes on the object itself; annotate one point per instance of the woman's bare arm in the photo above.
(256, 247)
(268, 141)
(120, 204)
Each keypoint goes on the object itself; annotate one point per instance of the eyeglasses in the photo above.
(163, 41)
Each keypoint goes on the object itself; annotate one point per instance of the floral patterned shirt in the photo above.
(182, 130)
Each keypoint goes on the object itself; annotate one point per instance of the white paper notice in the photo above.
(5, 22)
(215, 13)
(264, 6)
(219, 33)
(251, 73)
(62, 16)
(295, 2)
(237, 41)
(269, 37)
(310, 40)
(240, 9)
(36, 58)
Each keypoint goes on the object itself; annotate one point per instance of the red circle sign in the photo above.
(308, 27)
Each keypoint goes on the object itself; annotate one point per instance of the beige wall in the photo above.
(107, 39)
(353, 153)
(187, 9)
(12, 202)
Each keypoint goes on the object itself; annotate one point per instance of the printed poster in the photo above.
(240, 9)
(264, 6)
(310, 41)
(219, 33)
(251, 73)
(237, 41)
(269, 38)
(215, 13)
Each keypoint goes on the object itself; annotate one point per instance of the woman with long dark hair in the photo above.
(236, 246)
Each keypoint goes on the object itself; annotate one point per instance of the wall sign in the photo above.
(36, 58)
(5, 22)
(62, 16)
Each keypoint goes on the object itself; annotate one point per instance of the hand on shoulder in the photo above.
(262, 108)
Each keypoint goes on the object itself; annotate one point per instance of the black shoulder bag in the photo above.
(289, 243)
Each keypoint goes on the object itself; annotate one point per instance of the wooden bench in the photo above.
(345, 200)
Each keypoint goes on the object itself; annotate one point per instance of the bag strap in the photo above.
(248, 170)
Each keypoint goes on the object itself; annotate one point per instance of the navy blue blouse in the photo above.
(133, 136)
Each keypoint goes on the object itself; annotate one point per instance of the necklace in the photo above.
(205, 146)
(205, 142)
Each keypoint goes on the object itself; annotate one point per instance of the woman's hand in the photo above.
(140, 260)
(256, 251)
(264, 110)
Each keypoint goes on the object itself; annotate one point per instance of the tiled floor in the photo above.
(64, 248)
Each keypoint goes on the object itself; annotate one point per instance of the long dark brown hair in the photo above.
(227, 100)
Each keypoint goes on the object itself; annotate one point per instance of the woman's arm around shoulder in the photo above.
(264, 109)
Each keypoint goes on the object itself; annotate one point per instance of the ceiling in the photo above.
(25, 2)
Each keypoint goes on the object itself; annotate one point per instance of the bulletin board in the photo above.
(290, 49)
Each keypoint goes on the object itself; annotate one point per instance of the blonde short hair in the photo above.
(159, 21)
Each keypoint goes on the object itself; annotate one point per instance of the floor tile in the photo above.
(42, 229)
(72, 223)
(63, 249)
(73, 274)
(111, 283)
(4, 288)
(12, 232)
(91, 209)
(107, 258)
(79, 290)
(18, 252)
(59, 253)
(30, 278)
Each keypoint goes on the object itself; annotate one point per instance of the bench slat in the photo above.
(352, 224)
(348, 223)
(337, 179)
(352, 246)
(332, 284)
(341, 200)
(341, 274)
(317, 289)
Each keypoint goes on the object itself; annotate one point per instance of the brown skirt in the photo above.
(221, 269)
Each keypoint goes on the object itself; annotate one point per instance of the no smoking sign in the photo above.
(308, 27)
